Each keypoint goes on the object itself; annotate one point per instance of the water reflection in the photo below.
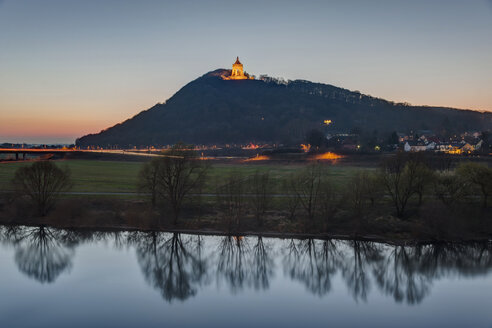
(42, 253)
(171, 263)
(263, 264)
(313, 262)
(358, 260)
(241, 265)
(399, 275)
(179, 266)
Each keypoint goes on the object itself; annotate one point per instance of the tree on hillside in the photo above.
(42, 182)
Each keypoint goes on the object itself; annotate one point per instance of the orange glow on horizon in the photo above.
(51, 127)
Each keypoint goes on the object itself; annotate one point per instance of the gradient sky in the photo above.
(71, 67)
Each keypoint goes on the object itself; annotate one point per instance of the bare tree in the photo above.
(402, 178)
(148, 181)
(291, 200)
(363, 190)
(180, 172)
(449, 188)
(261, 193)
(328, 200)
(423, 178)
(478, 176)
(43, 182)
(230, 196)
(306, 186)
(356, 191)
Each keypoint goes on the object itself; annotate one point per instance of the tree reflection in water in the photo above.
(8, 234)
(171, 263)
(231, 264)
(360, 257)
(262, 264)
(43, 253)
(441, 260)
(313, 262)
(398, 275)
(179, 265)
(239, 265)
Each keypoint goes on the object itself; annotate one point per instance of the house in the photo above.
(402, 137)
(467, 148)
(478, 145)
(414, 146)
(444, 147)
(431, 146)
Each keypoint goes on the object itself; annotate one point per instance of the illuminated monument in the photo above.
(237, 72)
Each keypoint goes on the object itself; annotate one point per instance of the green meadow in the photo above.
(121, 176)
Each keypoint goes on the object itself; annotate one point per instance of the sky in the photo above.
(72, 67)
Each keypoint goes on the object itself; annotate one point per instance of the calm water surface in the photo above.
(58, 278)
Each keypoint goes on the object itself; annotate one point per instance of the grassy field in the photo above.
(121, 176)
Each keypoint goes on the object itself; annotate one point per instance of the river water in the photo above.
(58, 278)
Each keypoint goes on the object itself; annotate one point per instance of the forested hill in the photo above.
(210, 110)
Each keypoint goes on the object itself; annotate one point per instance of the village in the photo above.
(468, 143)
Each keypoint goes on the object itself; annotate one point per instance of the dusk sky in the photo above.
(68, 68)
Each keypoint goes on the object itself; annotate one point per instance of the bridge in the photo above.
(20, 153)
(23, 151)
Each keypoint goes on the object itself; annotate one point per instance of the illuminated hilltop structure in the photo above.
(237, 72)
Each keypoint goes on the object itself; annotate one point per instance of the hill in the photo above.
(210, 110)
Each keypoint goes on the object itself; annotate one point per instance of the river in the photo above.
(61, 278)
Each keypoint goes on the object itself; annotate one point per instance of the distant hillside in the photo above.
(210, 110)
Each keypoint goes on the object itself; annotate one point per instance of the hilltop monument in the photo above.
(237, 72)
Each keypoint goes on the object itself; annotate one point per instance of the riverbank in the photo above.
(420, 201)
(115, 214)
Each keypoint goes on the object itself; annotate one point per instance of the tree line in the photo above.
(175, 182)
(403, 181)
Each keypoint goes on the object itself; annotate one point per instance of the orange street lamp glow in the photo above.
(328, 155)
(257, 158)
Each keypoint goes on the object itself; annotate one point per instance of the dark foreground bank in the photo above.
(431, 223)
